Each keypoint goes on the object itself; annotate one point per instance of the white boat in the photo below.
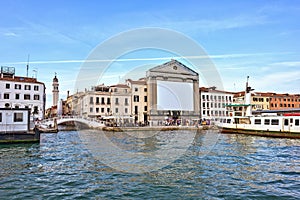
(263, 125)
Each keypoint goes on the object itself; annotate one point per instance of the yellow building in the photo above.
(139, 100)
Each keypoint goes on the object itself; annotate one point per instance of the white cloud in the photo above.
(287, 64)
(10, 34)
(278, 81)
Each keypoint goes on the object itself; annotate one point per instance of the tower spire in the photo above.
(55, 91)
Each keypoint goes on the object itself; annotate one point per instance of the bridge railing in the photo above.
(73, 117)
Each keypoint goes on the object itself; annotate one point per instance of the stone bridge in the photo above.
(92, 123)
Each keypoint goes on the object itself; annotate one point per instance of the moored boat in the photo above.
(286, 125)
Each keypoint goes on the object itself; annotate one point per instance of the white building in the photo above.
(22, 92)
(104, 101)
(213, 103)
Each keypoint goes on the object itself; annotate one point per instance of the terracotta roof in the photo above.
(212, 89)
(120, 86)
(21, 79)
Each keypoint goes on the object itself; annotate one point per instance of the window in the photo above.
(135, 110)
(136, 89)
(108, 110)
(145, 89)
(296, 122)
(0, 117)
(117, 101)
(203, 105)
(126, 110)
(97, 110)
(91, 100)
(36, 88)
(136, 98)
(145, 108)
(126, 101)
(275, 122)
(6, 96)
(102, 110)
(18, 86)
(102, 100)
(18, 117)
(286, 122)
(91, 109)
(27, 87)
(257, 121)
(97, 100)
(17, 96)
(117, 110)
(36, 97)
(145, 99)
(108, 100)
(35, 110)
(228, 121)
(26, 96)
(7, 86)
(267, 122)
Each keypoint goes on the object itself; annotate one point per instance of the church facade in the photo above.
(173, 93)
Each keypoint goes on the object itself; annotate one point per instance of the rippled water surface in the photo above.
(235, 167)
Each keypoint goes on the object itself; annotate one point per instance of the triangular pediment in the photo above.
(174, 67)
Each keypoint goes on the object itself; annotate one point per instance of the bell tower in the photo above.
(55, 91)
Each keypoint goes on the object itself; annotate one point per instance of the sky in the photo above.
(260, 39)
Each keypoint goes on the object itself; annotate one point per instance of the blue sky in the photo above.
(255, 38)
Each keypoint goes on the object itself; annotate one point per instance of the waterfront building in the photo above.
(67, 105)
(17, 92)
(139, 99)
(268, 101)
(284, 101)
(213, 103)
(120, 103)
(102, 102)
(260, 101)
(173, 94)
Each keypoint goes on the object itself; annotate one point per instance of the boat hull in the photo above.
(264, 133)
(9, 138)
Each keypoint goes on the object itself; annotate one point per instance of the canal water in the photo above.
(99, 165)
